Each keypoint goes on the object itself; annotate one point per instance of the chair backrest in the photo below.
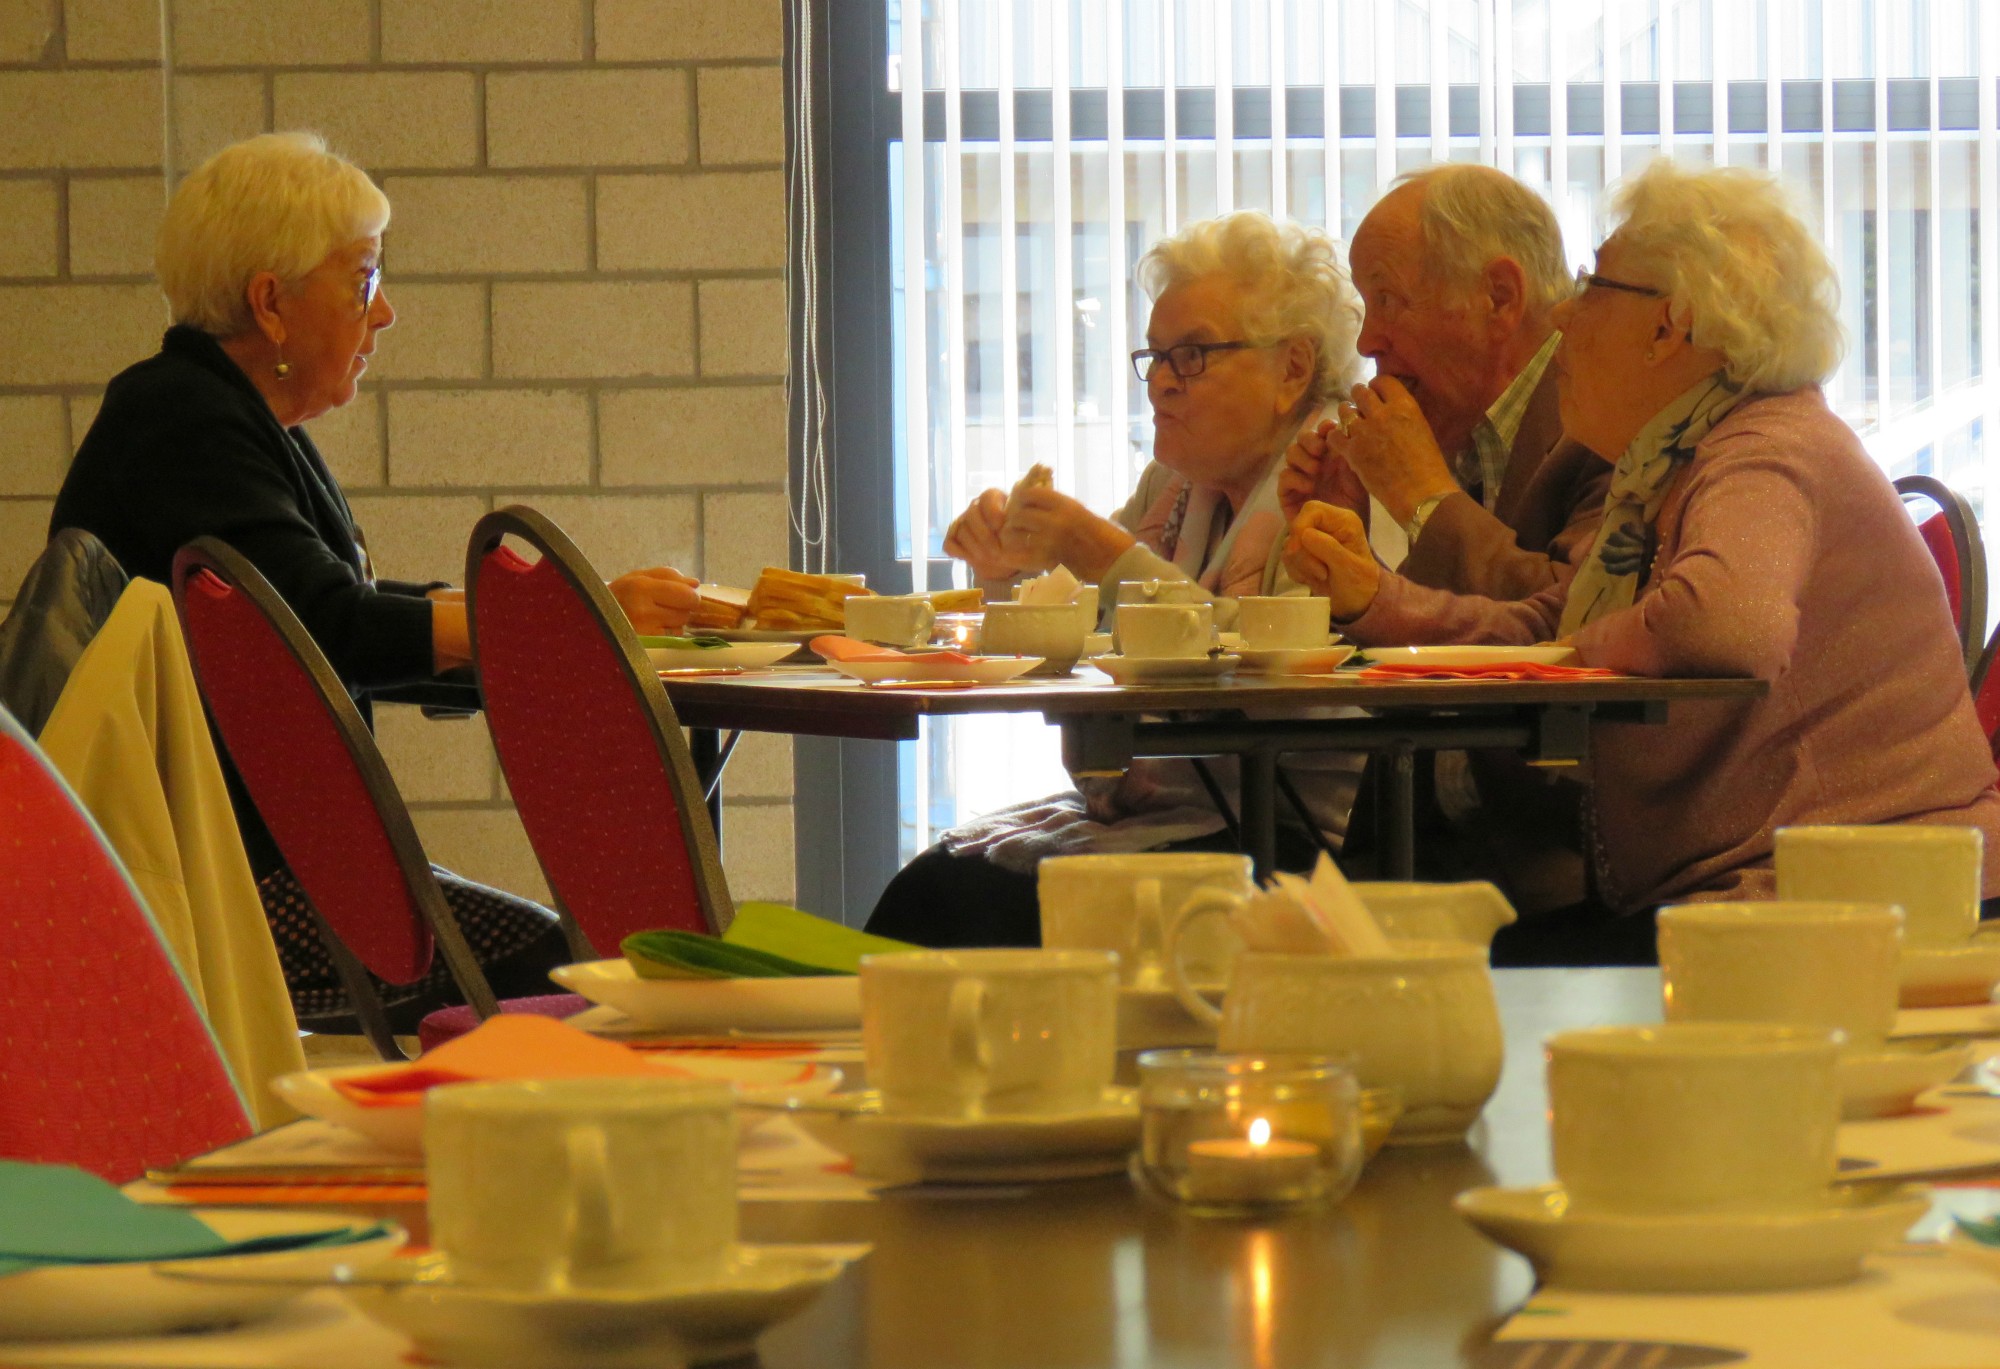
(596, 761)
(109, 1064)
(1952, 535)
(312, 768)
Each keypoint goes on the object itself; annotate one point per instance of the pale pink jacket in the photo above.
(1784, 555)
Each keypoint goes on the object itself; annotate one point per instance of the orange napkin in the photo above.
(847, 649)
(505, 1046)
(1523, 671)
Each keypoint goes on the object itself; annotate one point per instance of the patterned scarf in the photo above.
(1608, 579)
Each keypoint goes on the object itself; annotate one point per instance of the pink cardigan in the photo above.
(1785, 555)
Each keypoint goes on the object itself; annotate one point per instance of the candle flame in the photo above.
(1260, 1132)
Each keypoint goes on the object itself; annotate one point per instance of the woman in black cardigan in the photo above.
(270, 258)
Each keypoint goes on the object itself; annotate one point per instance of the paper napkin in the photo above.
(1322, 915)
(1523, 670)
(800, 936)
(1057, 587)
(506, 1046)
(835, 648)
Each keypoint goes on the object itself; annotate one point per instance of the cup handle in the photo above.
(592, 1225)
(1148, 932)
(971, 1054)
(1202, 903)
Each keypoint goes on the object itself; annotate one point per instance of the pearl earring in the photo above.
(282, 370)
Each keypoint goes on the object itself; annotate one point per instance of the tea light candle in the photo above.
(1249, 1169)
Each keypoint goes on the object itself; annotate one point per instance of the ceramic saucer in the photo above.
(962, 1150)
(1885, 1083)
(1945, 976)
(1733, 1252)
(1134, 670)
(1315, 660)
(493, 1328)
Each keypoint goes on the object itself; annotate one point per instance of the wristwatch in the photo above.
(1419, 516)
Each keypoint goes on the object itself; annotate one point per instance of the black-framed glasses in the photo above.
(371, 286)
(1185, 359)
(1585, 280)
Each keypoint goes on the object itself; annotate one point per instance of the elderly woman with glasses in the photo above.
(1252, 329)
(270, 256)
(1746, 533)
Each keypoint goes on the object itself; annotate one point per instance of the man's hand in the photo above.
(1328, 553)
(658, 600)
(1312, 472)
(974, 538)
(1045, 529)
(1388, 444)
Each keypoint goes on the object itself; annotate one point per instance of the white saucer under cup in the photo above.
(1694, 1117)
(1807, 964)
(1932, 873)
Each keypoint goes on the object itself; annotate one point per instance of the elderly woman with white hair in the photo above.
(270, 258)
(1252, 330)
(1746, 533)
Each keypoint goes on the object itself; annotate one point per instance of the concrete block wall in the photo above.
(586, 259)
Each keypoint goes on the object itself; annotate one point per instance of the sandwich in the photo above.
(720, 606)
(790, 600)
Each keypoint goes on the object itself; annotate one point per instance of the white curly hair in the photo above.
(1293, 280)
(1471, 215)
(279, 202)
(1740, 265)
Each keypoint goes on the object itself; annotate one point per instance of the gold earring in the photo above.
(282, 369)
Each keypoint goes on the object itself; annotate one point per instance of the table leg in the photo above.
(709, 754)
(1259, 778)
(1399, 814)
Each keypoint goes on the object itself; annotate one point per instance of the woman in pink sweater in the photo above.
(1746, 533)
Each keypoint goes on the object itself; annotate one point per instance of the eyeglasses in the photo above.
(1585, 280)
(371, 286)
(1185, 359)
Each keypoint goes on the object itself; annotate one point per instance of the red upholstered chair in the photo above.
(596, 761)
(109, 1065)
(321, 786)
(1952, 535)
(1986, 693)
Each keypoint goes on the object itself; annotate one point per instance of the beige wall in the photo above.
(586, 261)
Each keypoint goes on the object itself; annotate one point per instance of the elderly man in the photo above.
(1459, 267)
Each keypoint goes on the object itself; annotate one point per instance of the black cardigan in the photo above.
(185, 447)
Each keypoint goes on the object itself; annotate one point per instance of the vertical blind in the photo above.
(1045, 144)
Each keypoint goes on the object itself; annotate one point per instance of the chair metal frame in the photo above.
(554, 545)
(216, 557)
(1970, 549)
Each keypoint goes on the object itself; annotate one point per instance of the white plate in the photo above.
(1451, 657)
(1947, 976)
(795, 635)
(1137, 670)
(714, 1007)
(1727, 1252)
(735, 656)
(956, 1150)
(105, 1301)
(978, 670)
(1886, 1083)
(401, 1128)
(1317, 660)
(490, 1328)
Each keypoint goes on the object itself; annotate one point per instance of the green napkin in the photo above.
(57, 1214)
(691, 955)
(682, 643)
(800, 936)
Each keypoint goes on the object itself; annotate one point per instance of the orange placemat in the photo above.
(1524, 670)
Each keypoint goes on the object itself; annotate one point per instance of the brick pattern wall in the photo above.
(586, 259)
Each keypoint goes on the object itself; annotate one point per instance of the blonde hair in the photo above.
(279, 202)
(1293, 283)
(1740, 265)
(1471, 215)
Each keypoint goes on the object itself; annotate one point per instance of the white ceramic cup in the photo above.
(1085, 601)
(989, 1033)
(1932, 873)
(1122, 903)
(614, 1183)
(1808, 964)
(1154, 630)
(1283, 622)
(1694, 1117)
(1052, 631)
(891, 619)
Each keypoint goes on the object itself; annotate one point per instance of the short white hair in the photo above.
(1293, 282)
(1471, 215)
(279, 202)
(1741, 266)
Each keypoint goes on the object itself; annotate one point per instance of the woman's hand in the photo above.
(658, 600)
(1313, 472)
(1045, 529)
(1328, 553)
(974, 538)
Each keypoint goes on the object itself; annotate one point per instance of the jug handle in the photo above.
(1202, 903)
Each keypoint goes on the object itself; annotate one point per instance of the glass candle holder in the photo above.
(1237, 1135)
